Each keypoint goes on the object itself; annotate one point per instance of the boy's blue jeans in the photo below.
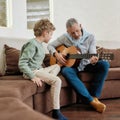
(100, 71)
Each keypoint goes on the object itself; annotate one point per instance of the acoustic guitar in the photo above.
(71, 54)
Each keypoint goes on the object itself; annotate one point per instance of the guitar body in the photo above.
(65, 51)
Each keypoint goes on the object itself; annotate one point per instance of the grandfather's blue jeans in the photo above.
(100, 71)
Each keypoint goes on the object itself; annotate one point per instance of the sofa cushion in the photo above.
(116, 52)
(114, 74)
(1, 74)
(46, 61)
(12, 77)
(13, 42)
(21, 89)
(14, 109)
(85, 76)
(12, 57)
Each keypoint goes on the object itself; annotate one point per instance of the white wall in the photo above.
(19, 24)
(100, 17)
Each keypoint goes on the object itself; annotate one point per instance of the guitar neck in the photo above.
(81, 56)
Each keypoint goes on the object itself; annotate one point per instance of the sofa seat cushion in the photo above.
(21, 89)
(85, 76)
(64, 81)
(43, 88)
(12, 77)
(14, 109)
(39, 89)
(114, 74)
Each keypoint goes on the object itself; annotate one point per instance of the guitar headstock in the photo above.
(106, 56)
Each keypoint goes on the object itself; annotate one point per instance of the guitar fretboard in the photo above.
(80, 56)
(105, 56)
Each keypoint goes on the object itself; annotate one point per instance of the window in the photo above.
(5, 13)
(37, 9)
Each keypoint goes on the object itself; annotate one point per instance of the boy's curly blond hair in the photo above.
(41, 25)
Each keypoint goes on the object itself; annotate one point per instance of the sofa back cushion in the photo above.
(12, 42)
(12, 57)
(116, 53)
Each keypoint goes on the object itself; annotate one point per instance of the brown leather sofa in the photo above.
(14, 109)
(112, 83)
(13, 85)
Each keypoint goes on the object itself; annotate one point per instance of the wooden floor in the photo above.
(85, 112)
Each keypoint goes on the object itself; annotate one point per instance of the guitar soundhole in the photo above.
(67, 56)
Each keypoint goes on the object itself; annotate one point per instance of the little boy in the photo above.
(30, 63)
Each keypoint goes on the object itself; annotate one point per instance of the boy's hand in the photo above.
(38, 81)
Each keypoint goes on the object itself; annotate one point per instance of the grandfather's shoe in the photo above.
(98, 106)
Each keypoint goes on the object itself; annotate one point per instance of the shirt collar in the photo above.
(81, 39)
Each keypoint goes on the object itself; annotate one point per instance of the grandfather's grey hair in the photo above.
(70, 22)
